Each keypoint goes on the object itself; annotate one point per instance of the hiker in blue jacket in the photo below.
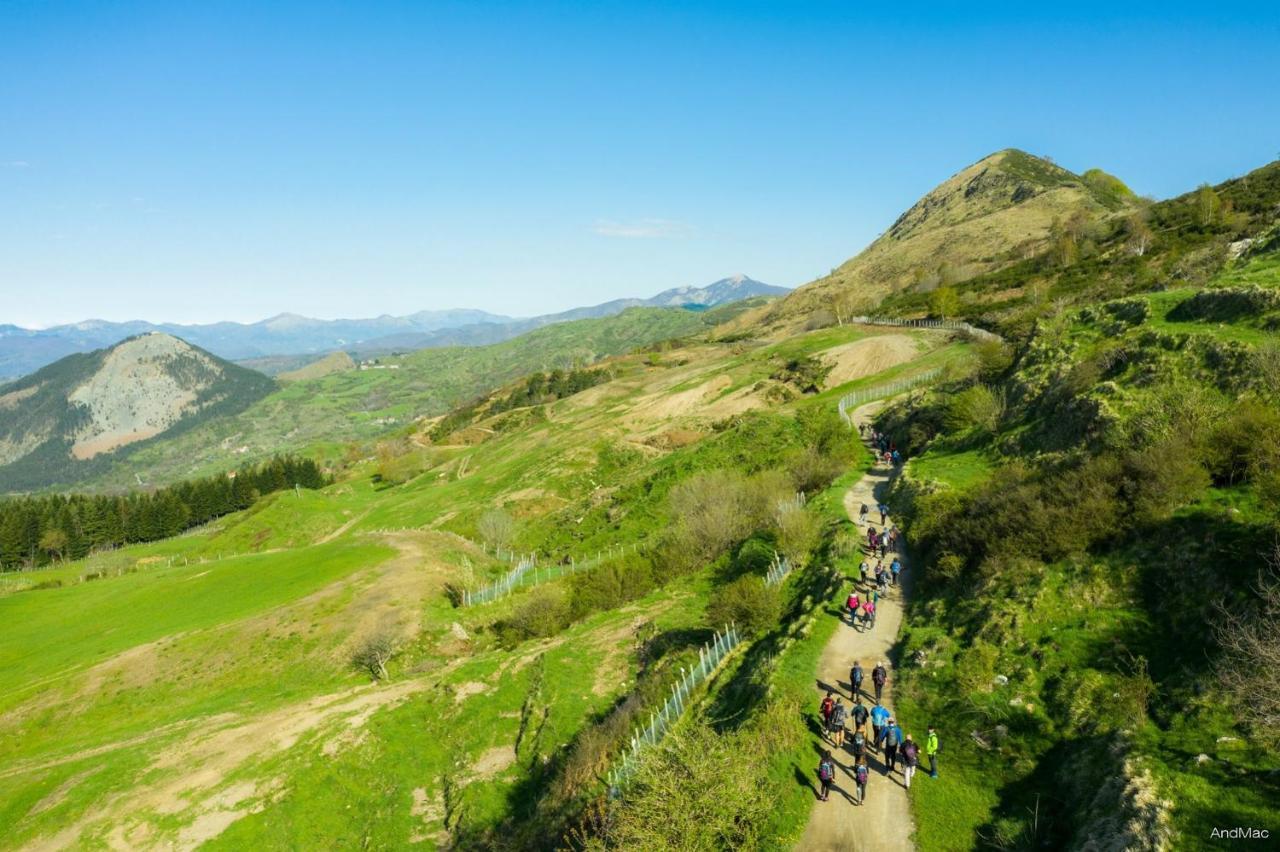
(892, 735)
(879, 719)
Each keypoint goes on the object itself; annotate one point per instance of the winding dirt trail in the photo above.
(884, 822)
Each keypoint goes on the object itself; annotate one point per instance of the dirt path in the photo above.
(884, 822)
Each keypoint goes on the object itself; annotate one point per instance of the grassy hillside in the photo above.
(1093, 514)
(987, 217)
(232, 646)
(318, 416)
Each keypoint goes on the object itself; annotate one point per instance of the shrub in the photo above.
(798, 532)
(373, 653)
(617, 581)
(545, 613)
(976, 667)
(1226, 304)
(811, 470)
(980, 408)
(496, 528)
(747, 602)
(710, 512)
(1161, 478)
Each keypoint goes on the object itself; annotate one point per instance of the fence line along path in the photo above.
(709, 658)
(528, 572)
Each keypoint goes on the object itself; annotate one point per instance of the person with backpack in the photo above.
(862, 515)
(851, 604)
(884, 512)
(826, 775)
(858, 744)
(892, 736)
(868, 614)
(859, 715)
(884, 546)
(871, 538)
(855, 680)
(910, 760)
(863, 571)
(860, 776)
(931, 751)
(828, 704)
(879, 718)
(895, 568)
(879, 677)
(836, 726)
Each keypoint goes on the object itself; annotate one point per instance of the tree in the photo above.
(1250, 639)
(373, 654)
(53, 541)
(944, 303)
(1139, 232)
(496, 528)
(1208, 203)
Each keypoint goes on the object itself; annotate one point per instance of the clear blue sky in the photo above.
(203, 161)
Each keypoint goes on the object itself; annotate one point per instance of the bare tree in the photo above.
(373, 654)
(497, 528)
(1251, 640)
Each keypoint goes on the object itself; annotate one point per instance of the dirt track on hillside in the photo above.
(884, 822)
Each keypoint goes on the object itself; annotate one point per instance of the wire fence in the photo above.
(779, 568)
(532, 574)
(949, 325)
(852, 400)
(709, 658)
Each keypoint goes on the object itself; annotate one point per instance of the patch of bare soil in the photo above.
(867, 356)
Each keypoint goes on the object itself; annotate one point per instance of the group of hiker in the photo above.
(846, 729)
(884, 447)
(857, 729)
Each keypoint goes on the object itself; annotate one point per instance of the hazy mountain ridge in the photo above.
(24, 350)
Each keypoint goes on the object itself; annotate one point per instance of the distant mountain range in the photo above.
(25, 350)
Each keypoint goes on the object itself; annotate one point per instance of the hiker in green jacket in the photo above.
(931, 751)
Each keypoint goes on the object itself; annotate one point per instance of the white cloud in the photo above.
(642, 229)
(17, 164)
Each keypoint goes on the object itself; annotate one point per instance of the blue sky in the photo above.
(196, 162)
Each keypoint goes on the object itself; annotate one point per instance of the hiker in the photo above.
(862, 515)
(836, 727)
(879, 572)
(931, 750)
(828, 704)
(897, 458)
(892, 736)
(884, 546)
(862, 572)
(895, 568)
(868, 614)
(860, 776)
(852, 604)
(826, 775)
(879, 677)
(884, 512)
(860, 715)
(883, 582)
(910, 760)
(855, 680)
(879, 718)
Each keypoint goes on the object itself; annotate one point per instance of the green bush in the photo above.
(617, 581)
(544, 613)
(1227, 304)
(747, 602)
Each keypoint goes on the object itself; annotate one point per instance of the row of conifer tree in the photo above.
(36, 530)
